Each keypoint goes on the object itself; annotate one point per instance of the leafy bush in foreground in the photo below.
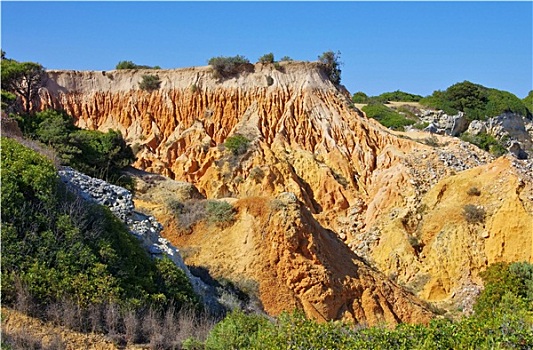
(60, 247)
(502, 321)
(98, 154)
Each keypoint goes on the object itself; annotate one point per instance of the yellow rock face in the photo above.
(394, 199)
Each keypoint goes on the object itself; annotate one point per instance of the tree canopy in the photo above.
(476, 101)
(23, 79)
(331, 63)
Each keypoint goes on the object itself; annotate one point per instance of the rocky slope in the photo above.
(394, 199)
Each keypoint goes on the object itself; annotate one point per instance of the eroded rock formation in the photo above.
(363, 189)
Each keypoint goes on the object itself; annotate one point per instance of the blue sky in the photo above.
(416, 47)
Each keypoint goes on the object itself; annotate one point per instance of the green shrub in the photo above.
(237, 331)
(257, 174)
(92, 152)
(8, 100)
(267, 58)
(420, 125)
(399, 96)
(220, 212)
(528, 102)
(476, 101)
(331, 63)
(360, 97)
(237, 144)
(473, 191)
(486, 142)
(473, 214)
(61, 247)
(503, 283)
(131, 65)
(150, 83)
(286, 59)
(126, 65)
(227, 66)
(386, 116)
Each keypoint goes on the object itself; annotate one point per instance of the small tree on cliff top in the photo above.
(332, 63)
(23, 79)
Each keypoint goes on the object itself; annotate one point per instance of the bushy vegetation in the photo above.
(150, 82)
(476, 101)
(473, 214)
(502, 321)
(92, 152)
(131, 65)
(191, 212)
(237, 144)
(398, 96)
(528, 101)
(22, 79)
(220, 212)
(286, 59)
(267, 58)
(331, 63)
(386, 116)
(60, 247)
(224, 67)
(486, 142)
(401, 96)
(360, 97)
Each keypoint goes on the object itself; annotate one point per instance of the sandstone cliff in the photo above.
(393, 198)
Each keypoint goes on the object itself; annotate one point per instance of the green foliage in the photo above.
(386, 116)
(502, 321)
(486, 142)
(8, 100)
(420, 125)
(92, 152)
(126, 65)
(331, 63)
(267, 58)
(59, 246)
(360, 97)
(238, 331)
(503, 279)
(528, 102)
(131, 65)
(294, 331)
(476, 101)
(150, 83)
(23, 79)
(399, 96)
(237, 144)
(173, 283)
(286, 59)
(503, 101)
(473, 214)
(227, 66)
(220, 212)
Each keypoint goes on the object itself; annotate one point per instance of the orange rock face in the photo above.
(365, 190)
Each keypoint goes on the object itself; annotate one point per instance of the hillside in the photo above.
(365, 198)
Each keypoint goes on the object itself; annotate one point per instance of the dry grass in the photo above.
(66, 324)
